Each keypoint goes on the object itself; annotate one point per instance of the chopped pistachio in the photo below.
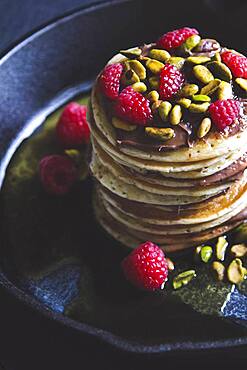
(176, 61)
(211, 87)
(224, 91)
(162, 134)
(236, 272)
(139, 87)
(131, 53)
(203, 74)
(129, 77)
(201, 98)
(242, 82)
(164, 110)
(198, 60)
(206, 253)
(188, 90)
(239, 250)
(221, 246)
(154, 66)
(219, 268)
(161, 55)
(138, 68)
(175, 115)
(204, 127)
(153, 96)
(170, 264)
(183, 278)
(220, 70)
(184, 102)
(199, 108)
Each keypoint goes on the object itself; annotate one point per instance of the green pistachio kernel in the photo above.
(154, 82)
(129, 77)
(139, 87)
(188, 90)
(206, 253)
(242, 82)
(176, 61)
(122, 125)
(73, 154)
(198, 60)
(164, 110)
(199, 108)
(236, 272)
(239, 250)
(221, 246)
(155, 106)
(201, 98)
(161, 55)
(216, 57)
(154, 66)
(162, 134)
(240, 233)
(203, 74)
(204, 127)
(153, 96)
(183, 278)
(211, 87)
(131, 53)
(175, 115)
(139, 69)
(184, 102)
(224, 91)
(191, 42)
(220, 70)
(219, 268)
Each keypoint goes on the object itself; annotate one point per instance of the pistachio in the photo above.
(143, 59)
(219, 268)
(188, 90)
(154, 66)
(176, 61)
(242, 82)
(236, 272)
(175, 115)
(198, 60)
(123, 125)
(184, 102)
(191, 42)
(221, 248)
(139, 87)
(158, 133)
(129, 77)
(131, 53)
(211, 87)
(183, 278)
(239, 250)
(73, 154)
(240, 233)
(220, 70)
(153, 96)
(199, 108)
(138, 68)
(154, 82)
(164, 110)
(202, 74)
(224, 90)
(201, 98)
(216, 57)
(207, 45)
(161, 55)
(170, 264)
(156, 105)
(206, 253)
(204, 127)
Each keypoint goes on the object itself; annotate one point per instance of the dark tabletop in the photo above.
(29, 341)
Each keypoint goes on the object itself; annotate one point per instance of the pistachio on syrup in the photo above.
(236, 272)
(204, 127)
(198, 60)
(242, 82)
(123, 125)
(161, 55)
(199, 108)
(183, 278)
(131, 53)
(221, 246)
(154, 66)
(184, 102)
(211, 87)
(175, 115)
(188, 90)
(139, 87)
(153, 96)
(201, 98)
(239, 250)
(203, 74)
(164, 110)
(220, 70)
(219, 268)
(162, 134)
(206, 253)
(224, 90)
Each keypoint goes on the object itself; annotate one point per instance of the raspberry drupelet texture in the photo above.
(237, 63)
(171, 81)
(133, 107)
(109, 80)
(57, 174)
(72, 128)
(224, 112)
(146, 267)
(173, 39)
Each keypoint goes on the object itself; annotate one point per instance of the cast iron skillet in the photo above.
(59, 61)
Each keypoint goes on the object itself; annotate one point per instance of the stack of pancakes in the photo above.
(177, 198)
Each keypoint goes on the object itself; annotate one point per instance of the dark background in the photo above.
(29, 341)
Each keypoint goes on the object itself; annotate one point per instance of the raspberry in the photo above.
(109, 80)
(146, 267)
(133, 107)
(171, 80)
(224, 112)
(57, 174)
(236, 63)
(72, 128)
(173, 39)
